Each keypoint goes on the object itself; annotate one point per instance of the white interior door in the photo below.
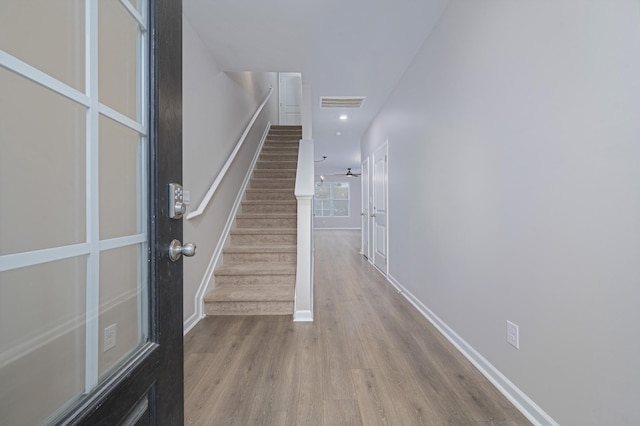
(379, 213)
(290, 91)
(366, 208)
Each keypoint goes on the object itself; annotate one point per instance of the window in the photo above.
(332, 199)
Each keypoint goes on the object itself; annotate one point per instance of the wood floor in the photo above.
(368, 359)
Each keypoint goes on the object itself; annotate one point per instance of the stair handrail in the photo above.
(227, 165)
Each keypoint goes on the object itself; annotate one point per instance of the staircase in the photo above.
(258, 272)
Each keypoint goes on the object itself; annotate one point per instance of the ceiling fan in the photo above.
(348, 174)
(351, 174)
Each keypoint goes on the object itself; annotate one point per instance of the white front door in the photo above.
(380, 243)
(290, 90)
(366, 208)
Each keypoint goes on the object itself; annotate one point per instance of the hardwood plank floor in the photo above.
(370, 358)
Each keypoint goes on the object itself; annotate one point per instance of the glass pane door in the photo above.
(73, 199)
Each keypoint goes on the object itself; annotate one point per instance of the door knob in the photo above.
(176, 250)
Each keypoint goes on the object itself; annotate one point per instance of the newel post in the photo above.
(303, 305)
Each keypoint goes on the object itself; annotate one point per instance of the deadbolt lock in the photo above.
(177, 207)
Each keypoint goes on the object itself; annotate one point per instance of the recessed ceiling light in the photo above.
(338, 133)
(343, 117)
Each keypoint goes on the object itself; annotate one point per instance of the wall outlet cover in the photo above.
(109, 337)
(513, 335)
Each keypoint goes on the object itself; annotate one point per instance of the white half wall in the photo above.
(514, 168)
(217, 106)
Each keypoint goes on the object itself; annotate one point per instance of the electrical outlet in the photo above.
(109, 337)
(513, 335)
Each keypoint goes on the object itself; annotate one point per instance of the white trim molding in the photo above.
(519, 399)
(337, 229)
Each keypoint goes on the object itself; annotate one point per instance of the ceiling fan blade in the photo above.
(348, 174)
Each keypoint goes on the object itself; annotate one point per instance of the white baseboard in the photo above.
(335, 229)
(303, 316)
(519, 399)
(190, 322)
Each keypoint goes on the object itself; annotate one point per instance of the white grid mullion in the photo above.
(119, 242)
(143, 172)
(93, 200)
(121, 118)
(143, 254)
(140, 18)
(45, 80)
(143, 72)
(36, 257)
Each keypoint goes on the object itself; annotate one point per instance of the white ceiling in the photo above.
(341, 47)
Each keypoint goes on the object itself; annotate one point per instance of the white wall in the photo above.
(217, 106)
(514, 163)
(355, 203)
